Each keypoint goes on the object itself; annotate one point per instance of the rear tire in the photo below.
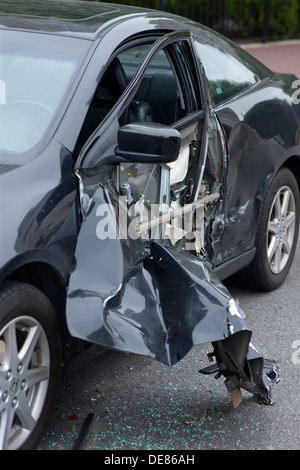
(277, 234)
(30, 363)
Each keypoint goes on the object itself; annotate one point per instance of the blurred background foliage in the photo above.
(242, 20)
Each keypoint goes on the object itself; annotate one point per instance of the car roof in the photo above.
(79, 18)
(89, 20)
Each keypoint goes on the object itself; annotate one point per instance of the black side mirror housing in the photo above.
(148, 143)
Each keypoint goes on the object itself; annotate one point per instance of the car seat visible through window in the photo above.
(112, 85)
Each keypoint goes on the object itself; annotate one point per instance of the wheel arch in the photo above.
(48, 280)
(293, 164)
(44, 277)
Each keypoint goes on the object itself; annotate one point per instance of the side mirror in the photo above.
(148, 143)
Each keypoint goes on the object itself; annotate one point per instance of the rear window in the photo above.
(226, 74)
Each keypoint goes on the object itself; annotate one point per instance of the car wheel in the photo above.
(30, 361)
(277, 234)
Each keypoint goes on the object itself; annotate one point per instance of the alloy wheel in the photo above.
(281, 229)
(24, 379)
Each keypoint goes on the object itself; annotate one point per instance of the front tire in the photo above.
(30, 361)
(277, 234)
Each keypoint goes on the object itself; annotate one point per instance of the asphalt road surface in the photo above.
(139, 404)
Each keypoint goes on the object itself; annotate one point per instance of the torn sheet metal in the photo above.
(153, 300)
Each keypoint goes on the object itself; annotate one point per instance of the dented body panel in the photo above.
(253, 138)
(155, 301)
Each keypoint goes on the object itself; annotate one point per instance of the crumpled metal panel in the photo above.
(152, 300)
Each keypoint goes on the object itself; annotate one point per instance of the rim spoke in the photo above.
(273, 227)
(11, 349)
(286, 247)
(7, 414)
(285, 202)
(37, 375)
(24, 413)
(277, 207)
(277, 258)
(272, 248)
(29, 345)
(290, 220)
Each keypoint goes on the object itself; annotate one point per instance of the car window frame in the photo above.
(89, 155)
(257, 78)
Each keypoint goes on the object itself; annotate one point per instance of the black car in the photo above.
(143, 159)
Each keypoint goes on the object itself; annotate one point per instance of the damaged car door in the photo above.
(134, 287)
(153, 119)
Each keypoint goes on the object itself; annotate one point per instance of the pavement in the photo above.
(283, 56)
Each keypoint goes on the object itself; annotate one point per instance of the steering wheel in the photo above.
(32, 102)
